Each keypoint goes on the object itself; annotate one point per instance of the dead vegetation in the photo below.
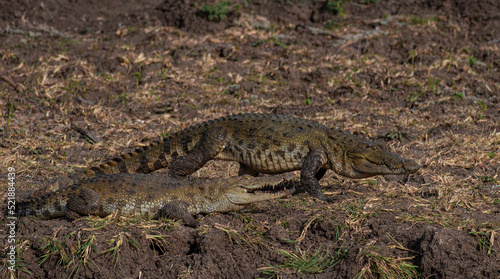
(422, 79)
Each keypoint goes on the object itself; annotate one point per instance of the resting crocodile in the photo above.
(263, 143)
(154, 196)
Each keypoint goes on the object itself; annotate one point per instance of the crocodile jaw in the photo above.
(249, 192)
(374, 160)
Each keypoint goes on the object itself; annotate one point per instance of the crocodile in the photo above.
(155, 195)
(263, 143)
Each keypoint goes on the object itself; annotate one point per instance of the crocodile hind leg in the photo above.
(178, 210)
(311, 171)
(244, 169)
(212, 143)
(87, 203)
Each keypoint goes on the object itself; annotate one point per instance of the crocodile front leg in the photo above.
(87, 203)
(178, 210)
(311, 172)
(212, 143)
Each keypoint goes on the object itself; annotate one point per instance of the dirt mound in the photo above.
(248, 246)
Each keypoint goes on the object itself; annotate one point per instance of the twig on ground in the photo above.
(91, 137)
(19, 87)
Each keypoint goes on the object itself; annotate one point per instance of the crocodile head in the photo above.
(248, 189)
(362, 158)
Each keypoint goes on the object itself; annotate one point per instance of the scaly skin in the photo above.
(263, 143)
(155, 195)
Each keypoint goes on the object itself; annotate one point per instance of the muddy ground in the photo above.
(420, 76)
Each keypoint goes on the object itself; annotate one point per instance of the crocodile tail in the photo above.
(144, 159)
(47, 207)
(157, 155)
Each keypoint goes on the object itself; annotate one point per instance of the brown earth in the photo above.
(421, 76)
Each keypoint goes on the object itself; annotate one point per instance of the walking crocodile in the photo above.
(262, 143)
(155, 195)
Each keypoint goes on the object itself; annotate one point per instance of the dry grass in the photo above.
(178, 80)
